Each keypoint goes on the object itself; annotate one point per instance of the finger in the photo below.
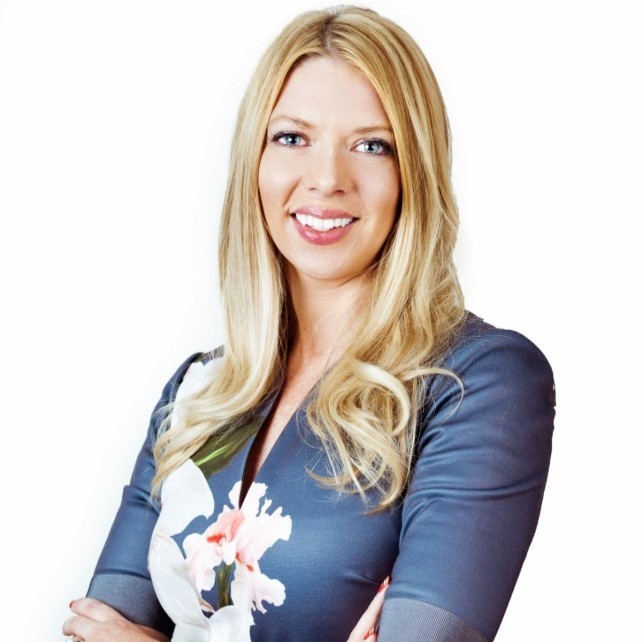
(366, 627)
(68, 626)
(79, 626)
(371, 635)
(120, 630)
(95, 610)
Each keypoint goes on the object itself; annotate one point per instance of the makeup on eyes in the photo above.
(387, 148)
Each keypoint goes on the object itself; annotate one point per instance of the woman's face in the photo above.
(328, 177)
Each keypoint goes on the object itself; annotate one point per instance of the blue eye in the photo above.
(288, 139)
(375, 146)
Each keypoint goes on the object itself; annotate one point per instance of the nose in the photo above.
(327, 171)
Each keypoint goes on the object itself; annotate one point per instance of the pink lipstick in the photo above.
(322, 226)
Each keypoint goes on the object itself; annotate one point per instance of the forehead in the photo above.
(324, 88)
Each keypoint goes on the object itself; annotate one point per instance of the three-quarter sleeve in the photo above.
(121, 578)
(475, 495)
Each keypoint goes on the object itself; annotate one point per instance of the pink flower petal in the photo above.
(250, 588)
(202, 558)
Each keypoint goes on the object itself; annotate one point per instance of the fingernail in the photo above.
(384, 584)
(370, 633)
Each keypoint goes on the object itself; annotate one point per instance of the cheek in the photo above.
(383, 195)
(277, 179)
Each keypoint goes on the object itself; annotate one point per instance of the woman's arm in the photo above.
(368, 624)
(94, 620)
(121, 579)
(474, 499)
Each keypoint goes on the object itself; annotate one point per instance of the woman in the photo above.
(358, 423)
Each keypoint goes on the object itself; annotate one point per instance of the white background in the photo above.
(115, 125)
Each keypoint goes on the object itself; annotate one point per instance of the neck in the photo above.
(325, 317)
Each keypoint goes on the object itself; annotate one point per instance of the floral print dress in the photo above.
(296, 561)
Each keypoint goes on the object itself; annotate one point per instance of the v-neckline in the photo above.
(265, 411)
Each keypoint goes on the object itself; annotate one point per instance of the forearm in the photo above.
(94, 621)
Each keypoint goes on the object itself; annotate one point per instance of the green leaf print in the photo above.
(220, 449)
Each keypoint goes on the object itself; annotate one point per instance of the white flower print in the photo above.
(239, 537)
(197, 377)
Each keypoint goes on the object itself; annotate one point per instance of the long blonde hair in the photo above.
(366, 411)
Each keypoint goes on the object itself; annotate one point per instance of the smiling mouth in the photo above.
(322, 224)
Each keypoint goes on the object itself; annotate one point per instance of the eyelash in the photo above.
(276, 137)
(386, 147)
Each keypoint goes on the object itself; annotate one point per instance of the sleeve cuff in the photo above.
(133, 597)
(404, 620)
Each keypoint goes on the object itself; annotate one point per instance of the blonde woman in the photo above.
(359, 424)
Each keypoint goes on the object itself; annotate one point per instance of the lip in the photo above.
(322, 212)
(328, 237)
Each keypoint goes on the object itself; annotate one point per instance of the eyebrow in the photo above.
(300, 122)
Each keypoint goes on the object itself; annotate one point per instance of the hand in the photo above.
(368, 624)
(96, 622)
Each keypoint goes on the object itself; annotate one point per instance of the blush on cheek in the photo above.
(277, 180)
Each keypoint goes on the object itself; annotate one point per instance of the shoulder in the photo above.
(191, 370)
(492, 360)
(191, 376)
(480, 342)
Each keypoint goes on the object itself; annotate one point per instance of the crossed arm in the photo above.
(95, 621)
(468, 517)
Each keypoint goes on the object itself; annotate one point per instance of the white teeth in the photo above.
(322, 224)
